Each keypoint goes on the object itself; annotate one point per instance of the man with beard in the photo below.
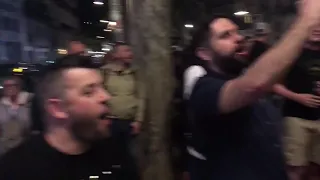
(74, 47)
(235, 131)
(301, 111)
(73, 146)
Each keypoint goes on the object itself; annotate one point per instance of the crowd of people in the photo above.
(82, 120)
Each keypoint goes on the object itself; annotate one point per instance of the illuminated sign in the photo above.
(17, 70)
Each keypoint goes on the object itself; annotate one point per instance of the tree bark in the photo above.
(149, 34)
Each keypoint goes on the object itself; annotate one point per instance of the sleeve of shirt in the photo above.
(205, 97)
(292, 77)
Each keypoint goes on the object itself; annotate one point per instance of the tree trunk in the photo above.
(149, 34)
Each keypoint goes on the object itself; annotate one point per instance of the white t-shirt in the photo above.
(191, 75)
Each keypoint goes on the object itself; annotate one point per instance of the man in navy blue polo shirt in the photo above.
(236, 131)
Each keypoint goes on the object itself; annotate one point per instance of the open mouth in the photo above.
(241, 51)
(105, 116)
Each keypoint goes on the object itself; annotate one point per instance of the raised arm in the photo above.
(271, 66)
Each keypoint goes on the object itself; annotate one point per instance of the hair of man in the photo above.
(52, 84)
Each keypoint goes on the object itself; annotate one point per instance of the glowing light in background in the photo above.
(241, 13)
(188, 26)
(62, 51)
(98, 2)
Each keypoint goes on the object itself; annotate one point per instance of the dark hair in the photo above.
(201, 39)
(71, 61)
(51, 84)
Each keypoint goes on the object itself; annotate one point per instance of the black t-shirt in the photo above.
(243, 145)
(36, 112)
(36, 160)
(302, 79)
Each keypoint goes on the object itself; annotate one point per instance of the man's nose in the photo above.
(105, 96)
(239, 38)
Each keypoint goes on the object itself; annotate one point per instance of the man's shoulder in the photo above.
(208, 82)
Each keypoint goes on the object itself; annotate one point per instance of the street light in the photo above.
(112, 23)
(105, 49)
(104, 21)
(241, 13)
(98, 2)
(188, 25)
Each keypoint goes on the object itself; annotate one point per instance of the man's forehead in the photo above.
(81, 77)
(222, 24)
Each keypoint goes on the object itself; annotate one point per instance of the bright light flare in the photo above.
(98, 3)
(188, 25)
(112, 23)
(104, 21)
(62, 51)
(241, 13)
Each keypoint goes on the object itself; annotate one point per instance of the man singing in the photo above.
(235, 129)
(73, 145)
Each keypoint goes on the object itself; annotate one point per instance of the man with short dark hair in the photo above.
(74, 47)
(74, 144)
(235, 129)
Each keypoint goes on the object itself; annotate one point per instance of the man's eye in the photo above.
(225, 35)
(88, 92)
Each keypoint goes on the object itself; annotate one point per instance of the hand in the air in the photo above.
(308, 100)
(309, 11)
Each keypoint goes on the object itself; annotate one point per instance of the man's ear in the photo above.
(204, 53)
(56, 108)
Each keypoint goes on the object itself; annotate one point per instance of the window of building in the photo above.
(13, 51)
(11, 24)
(3, 52)
(7, 7)
(1, 22)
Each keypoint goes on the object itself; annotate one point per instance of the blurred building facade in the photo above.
(32, 30)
